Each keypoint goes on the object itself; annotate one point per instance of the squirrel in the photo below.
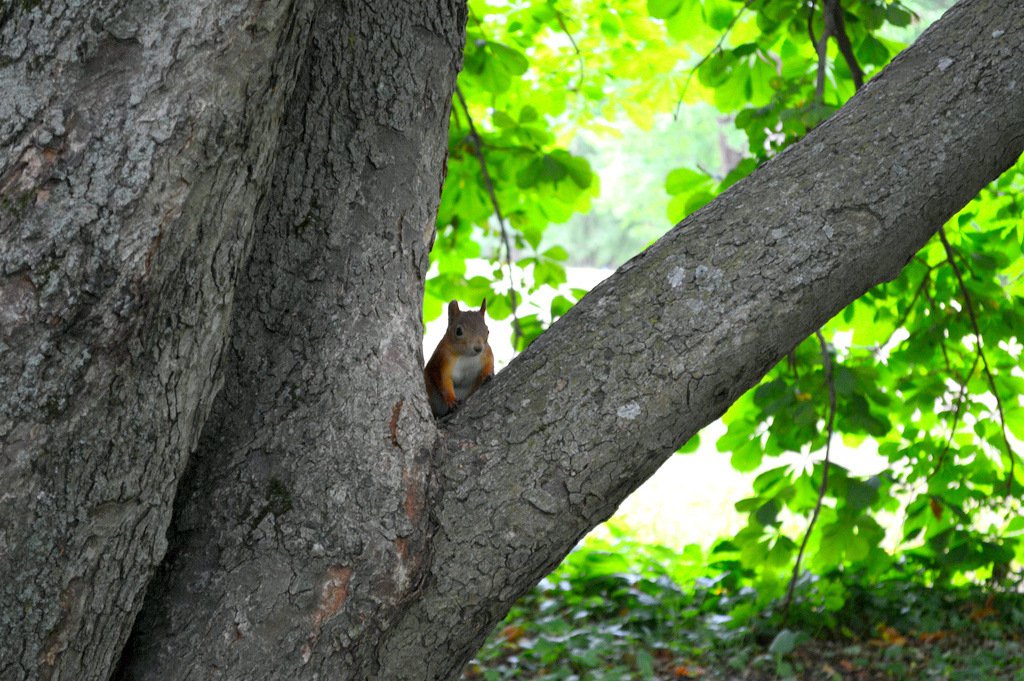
(462, 362)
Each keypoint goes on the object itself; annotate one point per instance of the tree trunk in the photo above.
(301, 526)
(216, 222)
(135, 144)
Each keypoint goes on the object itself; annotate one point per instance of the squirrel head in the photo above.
(467, 329)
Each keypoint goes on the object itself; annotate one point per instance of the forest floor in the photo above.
(982, 643)
(606, 615)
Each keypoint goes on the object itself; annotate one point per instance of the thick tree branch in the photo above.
(663, 347)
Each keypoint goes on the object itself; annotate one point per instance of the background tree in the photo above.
(216, 228)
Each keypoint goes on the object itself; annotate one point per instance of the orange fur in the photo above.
(462, 361)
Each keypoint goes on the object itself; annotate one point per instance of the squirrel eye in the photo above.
(458, 331)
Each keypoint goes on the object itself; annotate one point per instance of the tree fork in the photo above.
(272, 202)
(561, 436)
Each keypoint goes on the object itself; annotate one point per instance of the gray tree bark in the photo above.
(215, 223)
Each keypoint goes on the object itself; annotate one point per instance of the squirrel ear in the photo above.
(453, 308)
(483, 306)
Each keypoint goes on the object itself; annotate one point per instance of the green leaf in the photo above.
(861, 495)
(767, 513)
(872, 51)
(579, 170)
(510, 59)
(898, 16)
(663, 9)
(785, 642)
(718, 14)
(686, 22)
(530, 174)
(494, 79)
(684, 180)
(780, 555)
(747, 457)
(503, 120)
(556, 253)
(698, 200)
(611, 26)
(552, 169)
(559, 306)
(528, 114)
(690, 445)
(717, 69)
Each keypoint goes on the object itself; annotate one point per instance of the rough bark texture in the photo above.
(301, 526)
(214, 222)
(135, 140)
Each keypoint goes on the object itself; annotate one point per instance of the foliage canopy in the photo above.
(926, 369)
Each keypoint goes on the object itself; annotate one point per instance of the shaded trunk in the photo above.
(215, 229)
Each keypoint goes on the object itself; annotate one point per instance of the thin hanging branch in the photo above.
(715, 49)
(826, 361)
(810, 22)
(845, 48)
(937, 311)
(579, 54)
(517, 331)
(821, 47)
(925, 280)
(969, 306)
(835, 27)
(958, 410)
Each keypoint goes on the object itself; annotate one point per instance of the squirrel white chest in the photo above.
(464, 374)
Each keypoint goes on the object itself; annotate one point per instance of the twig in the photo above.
(956, 416)
(579, 55)
(716, 48)
(826, 361)
(821, 47)
(969, 306)
(810, 22)
(835, 27)
(843, 40)
(942, 344)
(517, 331)
(925, 280)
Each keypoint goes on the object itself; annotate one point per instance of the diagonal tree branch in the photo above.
(661, 348)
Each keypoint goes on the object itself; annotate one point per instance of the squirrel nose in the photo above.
(478, 349)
